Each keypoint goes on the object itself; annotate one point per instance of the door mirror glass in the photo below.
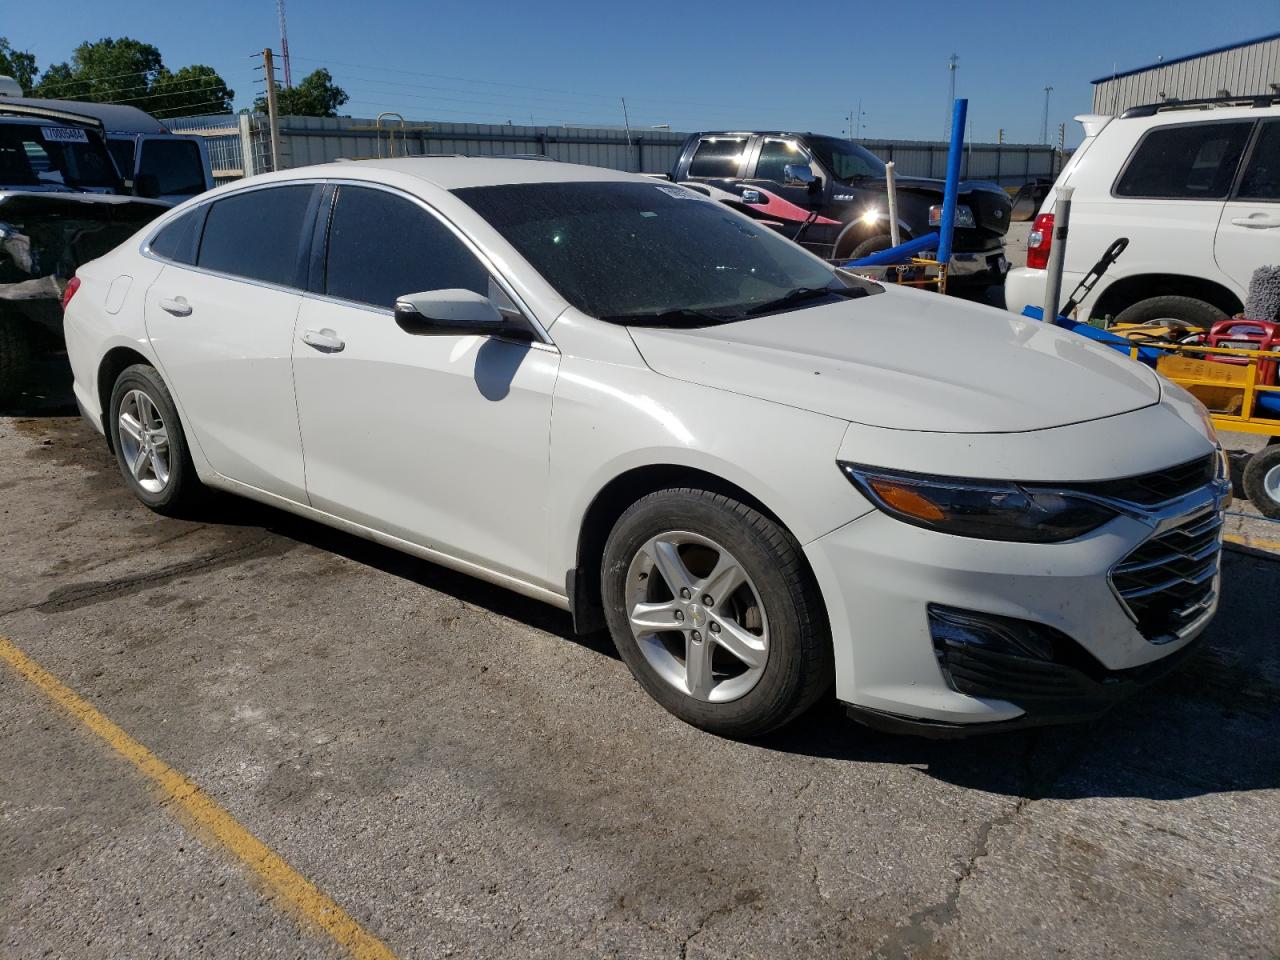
(798, 175)
(449, 312)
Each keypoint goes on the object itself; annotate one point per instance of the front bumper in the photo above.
(880, 577)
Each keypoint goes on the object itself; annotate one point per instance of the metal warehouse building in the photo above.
(1248, 68)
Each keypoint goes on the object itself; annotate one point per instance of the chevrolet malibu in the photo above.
(766, 477)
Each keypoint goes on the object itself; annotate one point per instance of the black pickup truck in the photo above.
(829, 195)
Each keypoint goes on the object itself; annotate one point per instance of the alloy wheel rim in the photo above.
(1271, 483)
(697, 616)
(144, 441)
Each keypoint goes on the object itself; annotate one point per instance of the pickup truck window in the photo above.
(845, 159)
(775, 155)
(717, 157)
(33, 155)
(649, 253)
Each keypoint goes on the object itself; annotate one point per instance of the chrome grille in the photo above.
(1169, 582)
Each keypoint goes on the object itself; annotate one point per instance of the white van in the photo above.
(1195, 186)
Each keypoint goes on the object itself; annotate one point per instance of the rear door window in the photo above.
(258, 234)
(1261, 179)
(717, 157)
(1192, 162)
(383, 246)
(176, 166)
(177, 239)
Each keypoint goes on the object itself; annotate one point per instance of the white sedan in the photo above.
(765, 476)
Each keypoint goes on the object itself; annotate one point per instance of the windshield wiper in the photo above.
(801, 294)
(682, 317)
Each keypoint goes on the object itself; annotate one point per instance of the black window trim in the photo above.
(1249, 147)
(320, 244)
(1235, 178)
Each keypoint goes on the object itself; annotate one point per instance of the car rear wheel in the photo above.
(1186, 310)
(713, 610)
(150, 446)
(1262, 481)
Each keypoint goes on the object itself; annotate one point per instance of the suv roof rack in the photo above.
(1257, 101)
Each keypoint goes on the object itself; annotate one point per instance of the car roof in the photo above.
(114, 117)
(455, 172)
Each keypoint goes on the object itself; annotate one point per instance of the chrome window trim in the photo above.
(539, 330)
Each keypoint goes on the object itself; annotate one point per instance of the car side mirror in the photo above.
(800, 175)
(147, 185)
(450, 313)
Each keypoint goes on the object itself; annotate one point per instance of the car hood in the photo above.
(909, 360)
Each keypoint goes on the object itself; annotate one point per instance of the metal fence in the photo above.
(307, 140)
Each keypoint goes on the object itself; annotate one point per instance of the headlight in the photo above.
(964, 216)
(986, 509)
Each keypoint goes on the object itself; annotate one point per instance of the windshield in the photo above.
(845, 159)
(35, 155)
(652, 252)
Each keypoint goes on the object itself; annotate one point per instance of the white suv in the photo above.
(1196, 189)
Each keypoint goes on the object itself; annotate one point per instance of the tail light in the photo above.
(72, 286)
(1039, 240)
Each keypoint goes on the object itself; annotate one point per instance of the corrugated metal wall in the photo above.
(1244, 71)
(307, 140)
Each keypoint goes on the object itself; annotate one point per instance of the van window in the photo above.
(175, 164)
(257, 234)
(1192, 162)
(1262, 176)
(717, 157)
(382, 246)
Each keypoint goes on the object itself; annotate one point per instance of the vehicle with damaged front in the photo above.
(62, 203)
(765, 476)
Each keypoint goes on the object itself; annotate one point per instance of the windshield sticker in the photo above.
(678, 192)
(64, 135)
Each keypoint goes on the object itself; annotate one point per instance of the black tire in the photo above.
(871, 245)
(798, 667)
(182, 493)
(1265, 496)
(15, 357)
(1185, 309)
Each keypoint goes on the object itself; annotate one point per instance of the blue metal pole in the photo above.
(899, 254)
(959, 114)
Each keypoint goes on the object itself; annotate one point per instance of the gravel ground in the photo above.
(467, 778)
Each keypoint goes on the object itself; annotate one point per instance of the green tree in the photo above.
(18, 64)
(316, 96)
(130, 72)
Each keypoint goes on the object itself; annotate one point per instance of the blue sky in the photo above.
(697, 65)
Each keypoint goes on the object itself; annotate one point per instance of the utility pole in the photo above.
(952, 62)
(1044, 123)
(1000, 135)
(273, 114)
(857, 126)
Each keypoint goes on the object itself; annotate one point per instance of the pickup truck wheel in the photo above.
(15, 357)
(713, 610)
(1185, 309)
(150, 446)
(1262, 481)
(871, 245)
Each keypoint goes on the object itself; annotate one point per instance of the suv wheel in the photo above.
(871, 245)
(1262, 481)
(713, 610)
(15, 357)
(150, 446)
(1185, 309)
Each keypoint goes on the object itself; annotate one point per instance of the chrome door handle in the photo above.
(178, 306)
(1263, 221)
(325, 340)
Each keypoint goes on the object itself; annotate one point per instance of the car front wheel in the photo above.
(712, 608)
(150, 445)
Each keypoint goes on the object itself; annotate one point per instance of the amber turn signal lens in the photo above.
(905, 500)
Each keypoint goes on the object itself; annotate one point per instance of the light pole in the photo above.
(952, 62)
(1044, 123)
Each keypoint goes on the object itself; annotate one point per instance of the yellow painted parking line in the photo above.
(1253, 542)
(280, 878)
